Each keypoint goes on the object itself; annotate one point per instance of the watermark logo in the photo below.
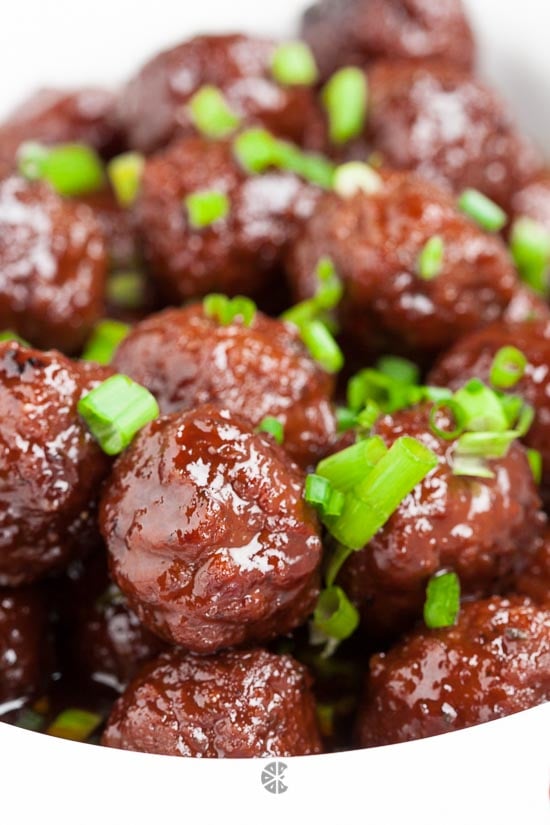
(273, 777)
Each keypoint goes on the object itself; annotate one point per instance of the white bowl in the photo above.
(493, 774)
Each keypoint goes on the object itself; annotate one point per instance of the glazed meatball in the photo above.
(375, 242)
(473, 356)
(25, 645)
(50, 466)
(52, 266)
(447, 126)
(238, 253)
(208, 534)
(534, 579)
(478, 527)
(237, 704)
(153, 107)
(107, 642)
(186, 359)
(118, 227)
(55, 116)
(533, 200)
(495, 662)
(358, 32)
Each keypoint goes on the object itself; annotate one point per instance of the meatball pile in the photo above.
(274, 395)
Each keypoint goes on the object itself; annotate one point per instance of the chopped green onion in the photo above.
(325, 719)
(126, 290)
(337, 560)
(301, 313)
(228, 310)
(485, 445)
(535, 463)
(435, 394)
(372, 501)
(350, 466)
(335, 504)
(330, 290)
(442, 604)
(345, 98)
(481, 407)
(322, 346)
(482, 210)
(104, 341)
(354, 177)
(274, 427)
(335, 616)
(526, 418)
(211, 114)
(293, 64)
(206, 208)
(317, 490)
(125, 173)
(116, 410)
(389, 394)
(345, 419)
(400, 369)
(74, 724)
(72, 169)
(512, 406)
(367, 418)
(508, 367)
(530, 247)
(257, 150)
(430, 260)
(464, 465)
(8, 335)
(455, 410)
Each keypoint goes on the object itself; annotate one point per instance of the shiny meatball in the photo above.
(534, 579)
(478, 527)
(153, 107)
(236, 704)
(473, 356)
(208, 534)
(495, 662)
(55, 116)
(52, 266)
(237, 253)
(447, 126)
(533, 200)
(118, 227)
(358, 32)
(50, 466)
(186, 359)
(375, 242)
(107, 642)
(25, 645)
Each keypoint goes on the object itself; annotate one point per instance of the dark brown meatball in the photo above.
(25, 645)
(107, 642)
(52, 266)
(534, 579)
(495, 662)
(473, 356)
(450, 128)
(118, 227)
(375, 242)
(533, 200)
(55, 116)
(50, 466)
(236, 254)
(153, 109)
(186, 359)
(478, 527)
(208, 534)
(358, 32)
(237, 704)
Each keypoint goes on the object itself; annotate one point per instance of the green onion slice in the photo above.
(535, 463)
(116, 410)
(335, 616)
(257, 150)
(485, 445)
(206, 208)
(384, 390)
(274, 427)
(322, 346)
(8, 335)
(447, 406)
(126, 290)
(471, 466)
(442, 604)
(430, 260)
(230, 310)
(368, 417)
(125, 173)
(345, 98)
(293, 64)
(345, 419)
(508, 367)
(350, 466)
(400, 369)
(72, 169)
(104, 341)
(211, 114)
(354, 177)
(330, 288)
(481, 407)
(530, 248)
(75, 724)
(482, 210)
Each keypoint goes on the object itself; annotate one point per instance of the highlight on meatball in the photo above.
(495, 662)
(208, 535)
(236, 704)
(50, 466)
(377, 242)
(533, 200)
(186, 359)
(52, 266)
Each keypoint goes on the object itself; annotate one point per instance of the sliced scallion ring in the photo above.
(354, 177)
(345, 98)
(293, 64)
(487, 214)
(211, 114)
(508, 367)
(442, 604)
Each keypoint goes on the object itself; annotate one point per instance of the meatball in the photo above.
(358, 32)
(375, 242)
(52, 266)
(107, 642)
(450, 128)
(533, 200)
(118, 227)
(208, 535)
(186, 359)
(236, 704)
(55, 116)
(495, 662)
(50, 466)
(237, 253)
(25, 645)
(534, 579)
(479, 527)
(473, 356)
(153, 109)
